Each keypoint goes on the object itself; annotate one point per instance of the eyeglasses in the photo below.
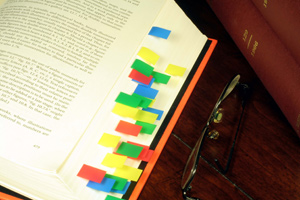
(210, 131)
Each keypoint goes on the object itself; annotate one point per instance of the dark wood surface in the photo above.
(266, 162)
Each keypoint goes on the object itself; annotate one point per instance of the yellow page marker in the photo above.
(114, 160)
(148, 55)
(151, 104)
(129, 173)
(175, 70)
(108, 140)
(125, 111)
(145, 116)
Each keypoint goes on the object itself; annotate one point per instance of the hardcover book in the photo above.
(268, 56)
(90, 92)
(283, 17)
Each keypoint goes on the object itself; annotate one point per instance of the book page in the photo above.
(58, 62)
(181, 48)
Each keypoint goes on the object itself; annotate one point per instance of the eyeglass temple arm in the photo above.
(224, 171)
(245, 96)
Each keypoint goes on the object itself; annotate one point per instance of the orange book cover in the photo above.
(169, 123)
(4, 196)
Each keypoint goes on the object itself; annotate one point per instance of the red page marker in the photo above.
(138, 76)
(91, 173)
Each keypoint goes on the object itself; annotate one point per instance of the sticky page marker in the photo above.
(145, 116)
(108, 197)
(148, 55)
(175, 70)
(129, 150)
(120, 183)
(138, 76)
(114, 160)
(147, 127)
(128, 128)
(91, 173)
(145, 102)
(149, 85)
(129, 173)
(105, 186)
(153, 101)
(108, 140)
(148, 156)
(124, 190)
(160, 78)
(129, 100)
(125, 111)
(142, 67)
(143, 155)
(155, 111)
(159, 32)
(146, 91)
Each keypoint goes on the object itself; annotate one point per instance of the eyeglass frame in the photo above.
(233, 83)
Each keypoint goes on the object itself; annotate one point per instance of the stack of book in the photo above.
(267, 33)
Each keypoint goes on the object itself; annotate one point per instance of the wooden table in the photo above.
(266, 162)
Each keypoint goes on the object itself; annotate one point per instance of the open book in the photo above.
(71, 74)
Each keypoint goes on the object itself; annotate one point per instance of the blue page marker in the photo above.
(105, 186)
(159, 32)
(155, 111)
(146, 91)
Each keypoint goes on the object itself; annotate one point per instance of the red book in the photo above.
(284, 18)
(268, 56)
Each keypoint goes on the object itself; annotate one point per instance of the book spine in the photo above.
(284, 18)
(269, 58)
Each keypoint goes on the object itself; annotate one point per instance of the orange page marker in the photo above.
(128, 128)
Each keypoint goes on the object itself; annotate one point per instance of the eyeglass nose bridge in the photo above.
(213, 134)
(216, 118)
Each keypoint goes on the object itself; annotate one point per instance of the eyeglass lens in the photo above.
(190, 165)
